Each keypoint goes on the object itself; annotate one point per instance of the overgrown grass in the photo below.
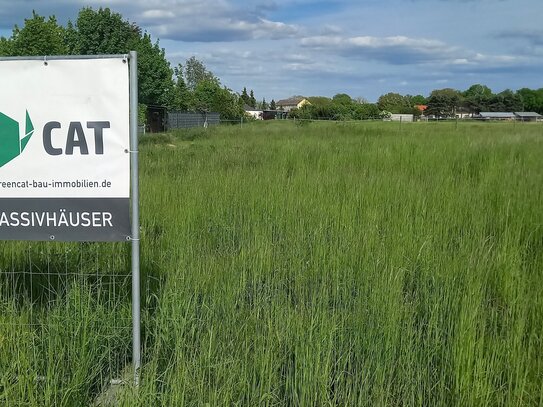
(326, 264)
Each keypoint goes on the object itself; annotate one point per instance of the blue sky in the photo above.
(365, 48)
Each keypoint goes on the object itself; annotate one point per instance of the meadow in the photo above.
(314, 264)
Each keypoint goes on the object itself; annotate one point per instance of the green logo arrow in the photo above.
(11, 145)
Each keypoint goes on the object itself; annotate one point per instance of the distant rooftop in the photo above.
(528, 114)
(248, 108)
(497, 114)
(289, 101)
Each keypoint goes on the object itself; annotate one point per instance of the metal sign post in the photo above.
(136, 323)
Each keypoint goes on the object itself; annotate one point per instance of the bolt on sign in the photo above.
(64, 149)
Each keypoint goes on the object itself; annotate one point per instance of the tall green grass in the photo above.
(323, 264)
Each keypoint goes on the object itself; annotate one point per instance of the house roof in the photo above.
(289, 101)
(248, 108)
(528, 114)
(497, 114)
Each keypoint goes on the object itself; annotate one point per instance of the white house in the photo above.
(396, 117)
(254, 113)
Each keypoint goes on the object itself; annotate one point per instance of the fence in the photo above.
(73, 298)
(185, 120)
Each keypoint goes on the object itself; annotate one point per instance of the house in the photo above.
(528, 116)
(520, 116)
(463, 113)
(497, 116)
(254, 113)
(295, 102)
(259, 114)
(397, 117)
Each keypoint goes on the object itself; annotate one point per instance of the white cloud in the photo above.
(403, 50)
(397, 50)
(208, 21)
(158, 14)
(482, 58)
(222, 29)
(460, 61)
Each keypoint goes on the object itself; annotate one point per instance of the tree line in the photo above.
(441, 103)
(477, 98)
(188, 86)
(249, 100)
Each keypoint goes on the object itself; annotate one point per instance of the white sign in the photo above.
(64, 149)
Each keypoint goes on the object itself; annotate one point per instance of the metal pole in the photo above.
(136, 323)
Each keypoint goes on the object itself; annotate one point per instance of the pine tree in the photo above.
(273, 105)
(245, 97)
(252, 100)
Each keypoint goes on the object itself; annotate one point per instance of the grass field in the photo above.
(311, 265)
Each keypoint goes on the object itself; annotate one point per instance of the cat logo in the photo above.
(11, 144)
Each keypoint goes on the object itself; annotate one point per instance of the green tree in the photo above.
(71, 39)
(6, 47)
(203, 99)
(443, 103)
(38, 36)
(209, 96)
(155, 81)
(263, 104)
(506, 101)
(182, 96)
(252, 99)
(478, 90)
(360, 100)
(273, 106)
(198, 89)
(395, 103)
(195, 72)
(101, 32)
(319, 100)
(98, 32)
(532, 99)
(323, 111)
(477, 98)
(245, 96)
(365, 111)
(340, 107)
(342, 99)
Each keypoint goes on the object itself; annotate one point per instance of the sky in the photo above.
(365, 48)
